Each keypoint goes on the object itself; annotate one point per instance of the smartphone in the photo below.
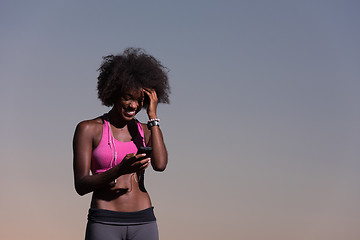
(146, 150)
(140, 175)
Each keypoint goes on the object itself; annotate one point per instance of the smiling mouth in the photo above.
(130, 113)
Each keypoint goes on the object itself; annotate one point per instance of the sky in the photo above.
(262, 128)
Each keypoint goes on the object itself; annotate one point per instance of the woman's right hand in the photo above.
(133, 163)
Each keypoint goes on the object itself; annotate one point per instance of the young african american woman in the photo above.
(105, 148)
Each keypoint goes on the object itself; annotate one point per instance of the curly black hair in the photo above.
(132, 69)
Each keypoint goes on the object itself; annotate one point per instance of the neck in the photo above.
(115, 120)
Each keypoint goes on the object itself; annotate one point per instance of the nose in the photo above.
(134, 104)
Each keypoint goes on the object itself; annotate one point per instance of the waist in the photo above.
(125, 196)
(121, 218)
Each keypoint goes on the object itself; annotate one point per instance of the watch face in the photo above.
(153, 123)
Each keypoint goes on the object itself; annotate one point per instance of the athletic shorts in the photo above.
(111, 225)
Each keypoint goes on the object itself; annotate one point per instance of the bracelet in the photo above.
(153, 122)
(154, 119)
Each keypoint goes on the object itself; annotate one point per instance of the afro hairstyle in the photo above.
(134, 68)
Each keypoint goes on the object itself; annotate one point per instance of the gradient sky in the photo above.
(262, 130)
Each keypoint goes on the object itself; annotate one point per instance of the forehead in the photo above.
(135, 92)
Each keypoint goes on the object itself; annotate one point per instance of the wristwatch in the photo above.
(153, 122)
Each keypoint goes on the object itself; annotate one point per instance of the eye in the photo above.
(126, 98)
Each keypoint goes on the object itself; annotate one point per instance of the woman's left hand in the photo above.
(151, 110)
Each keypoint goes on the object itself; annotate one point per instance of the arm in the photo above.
(159, 154)
(82, 149)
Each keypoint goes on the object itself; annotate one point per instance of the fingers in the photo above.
(151, 93)
(151, 110)
(140, 156)
(140, 161)
(134, 157)
(149, 90)
(141, 165)
(129, 156)
(144, 163)
(135, 162)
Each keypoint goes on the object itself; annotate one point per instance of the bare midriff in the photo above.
(125, 196)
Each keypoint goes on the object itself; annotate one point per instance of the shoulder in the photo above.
(89, 127)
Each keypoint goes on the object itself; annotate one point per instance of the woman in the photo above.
(108, 145)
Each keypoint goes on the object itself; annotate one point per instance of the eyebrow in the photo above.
(132, 96)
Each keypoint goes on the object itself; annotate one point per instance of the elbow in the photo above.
(80, 191)
(79, 188)
(160, 167)
(159, 161)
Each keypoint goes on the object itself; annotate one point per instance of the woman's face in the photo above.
(130, 103)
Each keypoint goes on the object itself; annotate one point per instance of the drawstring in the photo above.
(111, 143)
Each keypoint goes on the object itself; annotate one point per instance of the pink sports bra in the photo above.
(110, 151)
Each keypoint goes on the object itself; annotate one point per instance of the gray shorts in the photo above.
(110, 225)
